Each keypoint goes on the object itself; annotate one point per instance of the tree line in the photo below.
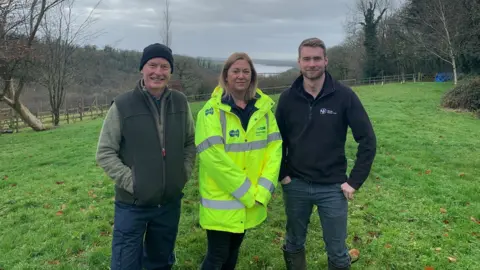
(41, 60)
(426, 36)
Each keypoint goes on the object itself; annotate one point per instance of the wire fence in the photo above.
(10, 121)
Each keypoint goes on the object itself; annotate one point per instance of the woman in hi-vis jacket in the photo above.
(240, 150)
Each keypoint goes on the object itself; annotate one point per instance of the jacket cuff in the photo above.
(355, 183)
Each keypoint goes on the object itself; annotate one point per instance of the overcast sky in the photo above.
(267, 29)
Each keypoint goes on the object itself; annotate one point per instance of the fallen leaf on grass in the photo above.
(54, 262)
(443, 210)
(429, 268)
(356, 239)
(59, 183)
(92, 194)
(428, 171)
(461, 174)
(452, 259)
(59, 213)
(438, 249)
(445, 234)
(256, 258)
(47, 206)
(446, 221)
(388, 246)
(475, 220)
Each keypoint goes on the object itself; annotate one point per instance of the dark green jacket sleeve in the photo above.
(190, 149)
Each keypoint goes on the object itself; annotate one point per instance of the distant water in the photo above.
(271, 69)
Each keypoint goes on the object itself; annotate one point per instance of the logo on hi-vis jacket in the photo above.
(234, 133)
(261, 131)
(209, 111)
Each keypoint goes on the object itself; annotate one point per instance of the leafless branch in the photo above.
(167, 21)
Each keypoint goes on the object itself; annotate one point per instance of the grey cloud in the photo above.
(216, 28)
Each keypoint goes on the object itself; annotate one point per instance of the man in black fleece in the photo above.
(313, 116)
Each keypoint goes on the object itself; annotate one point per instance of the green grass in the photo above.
(428, 159)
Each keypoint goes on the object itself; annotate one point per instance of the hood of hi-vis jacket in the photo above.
(238, 169)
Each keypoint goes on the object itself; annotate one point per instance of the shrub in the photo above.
(465, 96)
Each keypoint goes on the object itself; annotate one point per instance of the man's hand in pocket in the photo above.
(286, 180)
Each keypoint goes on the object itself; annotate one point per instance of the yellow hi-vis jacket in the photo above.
(238, 169)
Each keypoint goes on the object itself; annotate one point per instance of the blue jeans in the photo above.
(144, 236)
(299, 197)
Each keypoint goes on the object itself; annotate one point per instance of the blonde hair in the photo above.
(222, 80)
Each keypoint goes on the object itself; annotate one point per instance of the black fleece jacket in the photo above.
(314, 132)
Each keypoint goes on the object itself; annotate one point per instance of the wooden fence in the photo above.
(10, 122)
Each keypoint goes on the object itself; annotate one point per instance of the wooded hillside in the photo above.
(102, 73)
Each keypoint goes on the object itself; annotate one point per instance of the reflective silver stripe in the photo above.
(209, 142)
(241, 147)
(223, 122)
(224, 205)
(264, 182)
(274, 137)
(243, 189)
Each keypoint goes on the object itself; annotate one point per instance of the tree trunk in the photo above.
(28, 117)
(454, 66)
(56, 117)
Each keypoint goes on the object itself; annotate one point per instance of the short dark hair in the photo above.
(313, 42)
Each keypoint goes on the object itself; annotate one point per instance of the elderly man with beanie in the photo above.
(147, 147)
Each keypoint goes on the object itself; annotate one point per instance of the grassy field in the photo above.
(420, 207)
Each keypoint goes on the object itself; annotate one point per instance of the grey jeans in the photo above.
(299, 197)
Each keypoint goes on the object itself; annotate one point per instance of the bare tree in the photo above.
(60, 42)
(372, 11)
(432, 26)
(19, 24)
(166, 33)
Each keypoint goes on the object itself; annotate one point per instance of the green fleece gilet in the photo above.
(148, 149)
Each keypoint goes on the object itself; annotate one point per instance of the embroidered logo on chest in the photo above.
(327, 111)
(260, 131)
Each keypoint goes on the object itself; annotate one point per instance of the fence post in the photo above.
(16, 122)
(66, 111)
(80, 109)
